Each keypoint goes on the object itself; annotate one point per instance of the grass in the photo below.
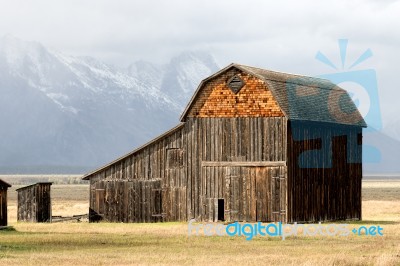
(168, 243)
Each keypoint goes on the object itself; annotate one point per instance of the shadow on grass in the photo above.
(7, 229)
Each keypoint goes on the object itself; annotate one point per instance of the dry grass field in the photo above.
(82, 243)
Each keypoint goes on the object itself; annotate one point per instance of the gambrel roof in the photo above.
(300, 97)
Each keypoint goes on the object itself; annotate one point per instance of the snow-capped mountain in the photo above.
(61, 110)
(184, 73)
(179, 78)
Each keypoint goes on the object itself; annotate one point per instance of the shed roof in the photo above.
(4, 183)
(164, 135)
(38, 183)
(300, 97)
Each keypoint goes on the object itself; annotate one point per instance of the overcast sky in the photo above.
(279, 35)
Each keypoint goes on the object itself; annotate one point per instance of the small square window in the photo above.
(174, 158)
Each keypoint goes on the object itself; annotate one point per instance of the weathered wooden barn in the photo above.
(34, 203)
(3, 202)
(252, 145)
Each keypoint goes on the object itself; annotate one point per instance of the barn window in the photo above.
(235, 84)
(174, 158)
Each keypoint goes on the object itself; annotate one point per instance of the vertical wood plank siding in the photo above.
(3, 207)
(330, 188)
(165, 181)
(3, 202)
(34, 203)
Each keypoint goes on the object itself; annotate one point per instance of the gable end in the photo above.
(234, 93)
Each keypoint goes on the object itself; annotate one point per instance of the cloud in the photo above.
(137, 29)
(282, 35)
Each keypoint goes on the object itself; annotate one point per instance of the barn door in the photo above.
(261, 193)
(248, 193)
(233, 195)
(278, 194)
(241, 194)
(156, 197)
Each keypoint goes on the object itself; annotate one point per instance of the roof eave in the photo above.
(5, 183)
(38, 183)
(362, 124)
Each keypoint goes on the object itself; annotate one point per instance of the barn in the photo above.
(3, 202)
(252, 145)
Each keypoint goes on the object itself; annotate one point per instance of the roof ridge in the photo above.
(264, 69)
(280, 72)
(332, 86)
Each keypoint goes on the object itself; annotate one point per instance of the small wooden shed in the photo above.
(34, 203)
(252, 145)
(3, 202)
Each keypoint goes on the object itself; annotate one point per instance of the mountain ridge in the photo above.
(59, 110)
